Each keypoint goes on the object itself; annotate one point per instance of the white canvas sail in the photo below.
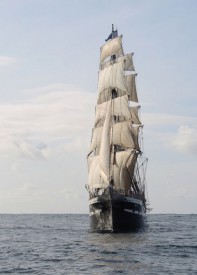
(119, 108)
(126, 60)
(104, 154)
(131, 87)
(122, 134)
(123, 169)
(112, 77)
(134, 115)
(106, 94)
(99, 166)
(94, 174)
(96, 138)
(112, 47)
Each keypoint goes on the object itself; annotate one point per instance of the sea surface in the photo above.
(62, 244)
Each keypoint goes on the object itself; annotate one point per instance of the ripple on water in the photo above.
(61, 244)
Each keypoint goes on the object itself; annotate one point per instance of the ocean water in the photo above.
(62, 244)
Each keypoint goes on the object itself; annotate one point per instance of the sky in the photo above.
(49, 59)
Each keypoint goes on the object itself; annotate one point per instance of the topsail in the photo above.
(112, 47)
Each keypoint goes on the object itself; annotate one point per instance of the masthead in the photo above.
(113, 34)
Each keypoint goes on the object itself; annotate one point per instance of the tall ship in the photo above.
(116, 163)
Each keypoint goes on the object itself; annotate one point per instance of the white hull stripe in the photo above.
(135, 212)
(95, 200)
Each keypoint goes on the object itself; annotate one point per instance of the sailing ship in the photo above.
(116, 163)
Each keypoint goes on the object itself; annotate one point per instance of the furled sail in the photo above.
(112, 47)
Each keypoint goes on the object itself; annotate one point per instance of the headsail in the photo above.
(104, 153)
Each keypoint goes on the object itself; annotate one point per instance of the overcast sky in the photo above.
(49, 56)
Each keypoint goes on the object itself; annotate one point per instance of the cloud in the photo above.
(45, 120)
(162, 119)
(57, 119)
(162, 129)
(16, 146)
(186, 139)
(6, 61)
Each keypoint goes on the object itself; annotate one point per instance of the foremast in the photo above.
(116, 158)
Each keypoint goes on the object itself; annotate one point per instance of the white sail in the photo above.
(112, 47)
(131, 87)
(126, 61)
(135, 135)
(123, 168)
(134, 115)
(119, 108)
(123, 135)
(112, 77)
(104, 153)
(96, 138)
(105, 95)
(94, 174)
(129, 84)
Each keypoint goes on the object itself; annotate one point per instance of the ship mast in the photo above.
(113, 34)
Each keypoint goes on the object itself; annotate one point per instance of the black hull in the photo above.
(116, 213)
